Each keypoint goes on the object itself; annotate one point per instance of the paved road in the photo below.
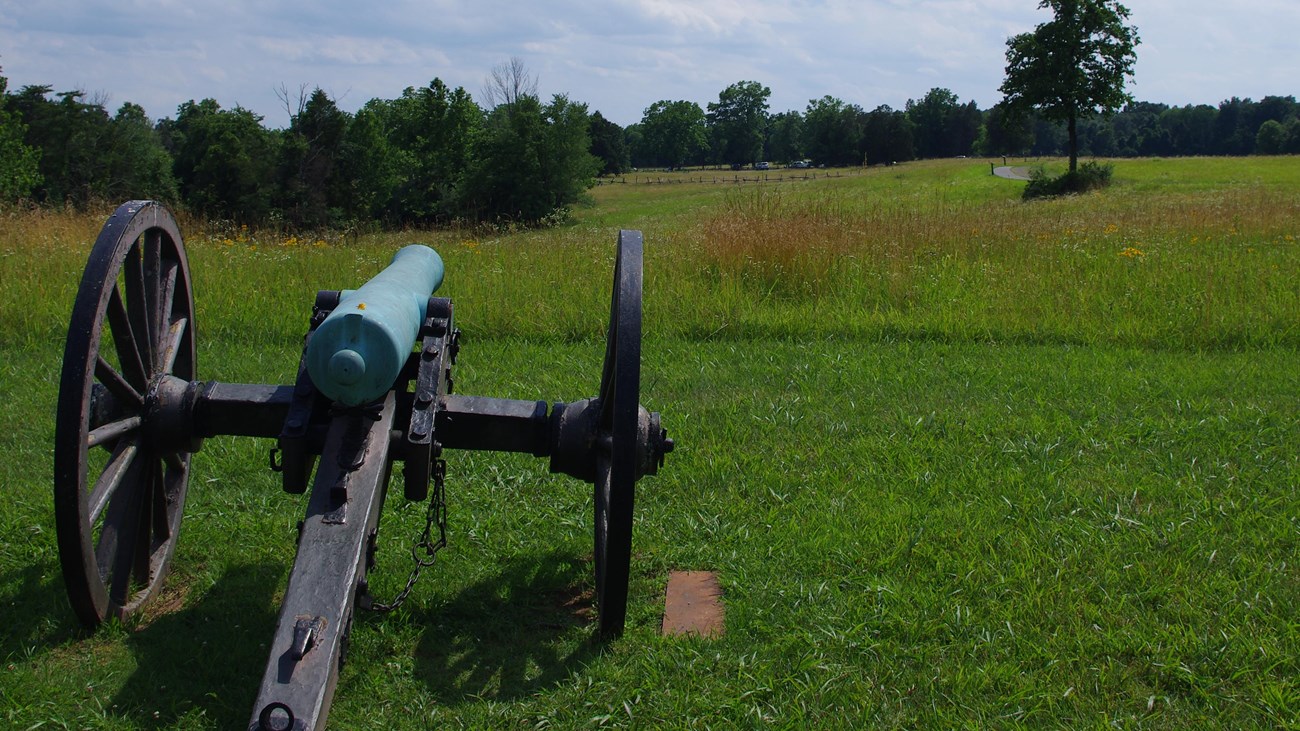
(1012, 173)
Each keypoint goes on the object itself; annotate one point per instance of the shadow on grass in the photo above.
(508, 636)
(203, 661)
(37, 616)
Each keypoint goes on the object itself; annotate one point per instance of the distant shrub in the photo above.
(1089, 176)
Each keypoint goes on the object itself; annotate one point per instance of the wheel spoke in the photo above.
(110, 479)
(124, 342)
(172, 347)
(125, 520)
(137, 307)
(120, 518)
(151, 273)
(144, 537)
(162, 528)
(175, 463)
(116, 383)
(167, 292)
(113, 430)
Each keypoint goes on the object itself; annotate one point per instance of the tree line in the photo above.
(830, 131)
(435, 155)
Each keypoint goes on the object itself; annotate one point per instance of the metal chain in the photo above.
(436, 514)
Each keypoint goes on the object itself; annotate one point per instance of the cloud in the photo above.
(619, 56)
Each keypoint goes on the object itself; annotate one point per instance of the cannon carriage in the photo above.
(374, 388)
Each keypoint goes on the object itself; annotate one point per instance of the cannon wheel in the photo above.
(616, 467)
(119, 489)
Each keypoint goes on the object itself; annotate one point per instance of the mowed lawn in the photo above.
(958, 461)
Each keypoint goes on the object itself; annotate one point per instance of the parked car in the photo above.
(761, 166)
(801, 164)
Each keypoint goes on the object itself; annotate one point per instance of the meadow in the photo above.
(959, 461)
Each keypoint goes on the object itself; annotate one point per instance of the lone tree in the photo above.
(737, 122)
(1072, 66)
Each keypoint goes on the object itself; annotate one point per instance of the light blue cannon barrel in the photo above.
(356, 353)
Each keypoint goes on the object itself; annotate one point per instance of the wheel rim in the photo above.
(616, 467)
(118, 490)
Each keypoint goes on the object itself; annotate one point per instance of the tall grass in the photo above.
(1203, 270)
(937, 250)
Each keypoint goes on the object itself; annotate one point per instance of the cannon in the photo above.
(373, 388)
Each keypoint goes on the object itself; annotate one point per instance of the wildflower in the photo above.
(1131, 252)
(1111, 228)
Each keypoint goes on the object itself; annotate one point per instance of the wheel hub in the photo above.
(169, 415)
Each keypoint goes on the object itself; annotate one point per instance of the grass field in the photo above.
(959, 461)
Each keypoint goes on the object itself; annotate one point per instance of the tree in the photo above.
(138, 164)
(931, 117)
(736, 122)
(609, 143)
(430, 131)
(1072, 66)
(1291, 145)
(673, 133)
(508, 82)
(833, 131)
(369, 167)
(888, 137)
(1190, 129)
(1233, 134)
(785, 137)
(19, 163)
(1005, 134)
(73, 137)
(224, 160)
(1271, 139)
(311, 191)
(529, 161)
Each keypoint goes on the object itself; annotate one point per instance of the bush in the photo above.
(1089, 176)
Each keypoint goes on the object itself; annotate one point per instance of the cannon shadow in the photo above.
(203, 661)
(510, 635)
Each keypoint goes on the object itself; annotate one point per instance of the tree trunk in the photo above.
(1074, 142)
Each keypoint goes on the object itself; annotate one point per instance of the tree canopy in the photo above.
(737, 122)
(674, 132)
(1072, 66)
(19, 163)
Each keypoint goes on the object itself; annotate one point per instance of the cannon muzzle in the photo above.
(354, 357)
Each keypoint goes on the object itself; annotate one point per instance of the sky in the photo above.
(616, 56)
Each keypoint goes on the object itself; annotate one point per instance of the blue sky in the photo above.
(617, 56)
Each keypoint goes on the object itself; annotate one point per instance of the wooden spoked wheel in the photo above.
(617, 438)
(121, 469)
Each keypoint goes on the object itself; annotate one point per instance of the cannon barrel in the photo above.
(354, 357)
